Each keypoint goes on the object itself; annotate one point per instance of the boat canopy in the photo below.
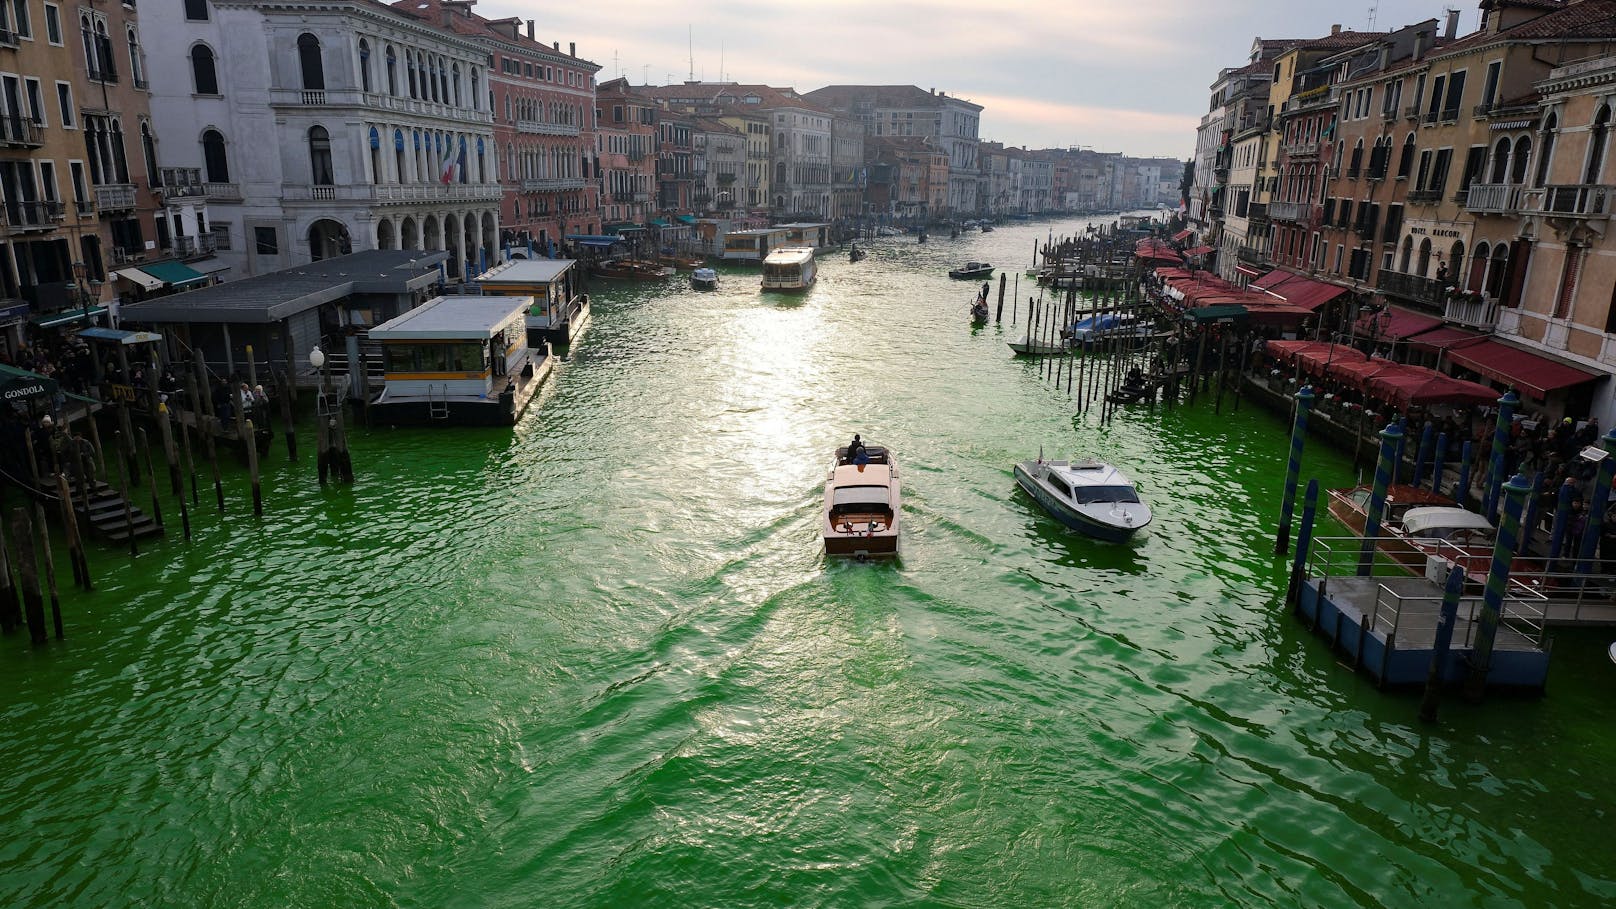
(1425, 520)
(861, 495)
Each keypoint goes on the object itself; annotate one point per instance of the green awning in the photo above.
(51, 320)
(620, 227)
(21, 385)
(1228, 312)
(656, 222)
(177, 274)
(687, 219)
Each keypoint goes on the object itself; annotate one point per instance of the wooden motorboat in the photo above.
(633, 270)
(856, 254)
(1037, 348)
(861, 503)
(704, 279)
(1424, 532)
(1086, 495)
(681, 263)
(972, 270)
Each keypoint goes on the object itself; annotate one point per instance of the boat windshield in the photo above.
(1101, 495)
(859, 498)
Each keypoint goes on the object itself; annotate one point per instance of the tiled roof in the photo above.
(458, 18)
(729, 93)
(883, 96)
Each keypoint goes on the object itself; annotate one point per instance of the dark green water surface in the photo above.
(600, 660)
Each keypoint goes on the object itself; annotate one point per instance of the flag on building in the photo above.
(450, 164)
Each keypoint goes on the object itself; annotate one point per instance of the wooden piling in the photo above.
(165, 426)
(252, 472)
(22, 532)
(50, 569)
(999, 313)
(124, 488)
(10, 609)
(151, 477)
(75, 542)
(190, 465)
(288, 397)
(95, 443)
(213, 457)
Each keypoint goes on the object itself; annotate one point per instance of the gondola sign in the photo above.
(25, 387)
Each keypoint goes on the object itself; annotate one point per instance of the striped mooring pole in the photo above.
(1531, 519)
(1492, 599)
(1304, 541)
(1293, 468)
(1495, 467)
(1596, 505)
(1461, 486)
(1423, 456)
(1443, 643)
(1389, 439)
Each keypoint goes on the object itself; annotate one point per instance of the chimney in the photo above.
(572, 48)
(1335, 29)
(1419, 45)
(1452, 30)
(530, 29)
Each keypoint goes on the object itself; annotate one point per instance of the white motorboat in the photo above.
(1086, 495)
(704, 279)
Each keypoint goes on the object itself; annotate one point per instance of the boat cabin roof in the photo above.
(756, 232)
(873, 474)
(1424, 520)
(454, 318)
(526, 271)
(789, 255)
(1088, 472)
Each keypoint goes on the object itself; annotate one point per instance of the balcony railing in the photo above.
(1424, 196)
(1471, 311)
(552, 184)
(9, 38)
(1578, 201)
(1411, 112)
(33, 215)
(17, 131)
(1481, 111)
(1289, 211)
(1448, 115)
(227, 192)
(378, 101)
(188, 247)
(1410, 287)
(546, 129)
(1257, 213)
(140, 83)
(1253, 256)
(393, 192)
(181, 182)
(314, 96)
(84, 207)
(115, 197)
(123, 256)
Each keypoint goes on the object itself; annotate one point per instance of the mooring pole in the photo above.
(1530, 521)
(1461, 486)
(1293, 468)
(1304, 543)
(1423, 456)
(1389, 437)
(1444, 642)
(1495, 468)
(1492, 599)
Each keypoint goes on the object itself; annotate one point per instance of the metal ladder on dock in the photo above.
(437, 408)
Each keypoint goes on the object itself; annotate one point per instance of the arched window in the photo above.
(1550, 125)
(409, 64)
(1405, 164)
(1408, 254)
(1425, 258)
(1522, 158)
(476, 95)
(454, 81)
(400, 168)
(432, 77)
(136, 70)
(1501, 160)
(392, 71)
(1597, 141)
(149, 149)
(320, 157)
(308, 59)
(87, 35)
(1456, 264)
(1495, 271)
(103, 52)
(364, 64)
(1357, 158)
(214, 164)
(203, 75)
(1478, 267)
(443, 79)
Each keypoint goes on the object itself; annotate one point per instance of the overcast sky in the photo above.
(1115, 75)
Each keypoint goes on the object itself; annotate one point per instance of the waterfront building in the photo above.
(721, 165)
(801, 159)
(907, 110)
(847, 168)
(327, 128)
(1000, 193)
(543, 102)
(626, 125)
(675, 169)
(1037, 180)
(908, 177)
(745, 108)
(77, 160)
(753, 193)
(1242, 95)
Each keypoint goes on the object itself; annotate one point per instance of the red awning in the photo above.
(1534, 375)
(1248, 271)
(1322, 355)
(1441, 338)
(1198, 251)
(1305, 292)
(1394, 323)
(1183, 235)
(1273, 279)
(1418, 385)
(1358, 373)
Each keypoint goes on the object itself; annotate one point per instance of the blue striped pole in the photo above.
(1492, 599)
(1293, 468)
(1530, 522)
(1441, 466)
(1389, 437)
(1304, 541)
(1461, 486)
(1444, 642)
(1596, 506)
(1562, 517)
(1423, 457)
(1495, 468)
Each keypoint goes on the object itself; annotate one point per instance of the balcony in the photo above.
(552, 184)
(1302, 150)
(376, 101)
(122, 256)
(1410, 287)
(1425, 196)
(392, 193)
(1471, 311)
(313, 97)
(180, 182)
(1411, 112)
(1257, 213)
(546, 129)
(1252, 256)
(1448, 115)
(9, 38)
(1294, 212)
(140, 83)
(19, 133)
(84, 207)
(109, 76)
(1388, 115)
(1482, 111)
(115, 197)
(1578, 201)
(21, 216)
(192, 247)
(222, 192)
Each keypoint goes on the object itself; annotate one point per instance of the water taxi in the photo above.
(790, 268)
(459, 361)
(560, 313)
(861, 503)
(633, 270)
(1086, 495)
(972, 270)
(704, 279)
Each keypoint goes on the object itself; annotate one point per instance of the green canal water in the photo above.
(600, 660)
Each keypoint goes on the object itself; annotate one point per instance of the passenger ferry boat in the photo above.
(559, 313)
(790, 268)
(753, 245)
(861, 503)
(459, 361)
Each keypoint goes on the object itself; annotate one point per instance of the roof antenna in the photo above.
(690, 46)
(1374, 8)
